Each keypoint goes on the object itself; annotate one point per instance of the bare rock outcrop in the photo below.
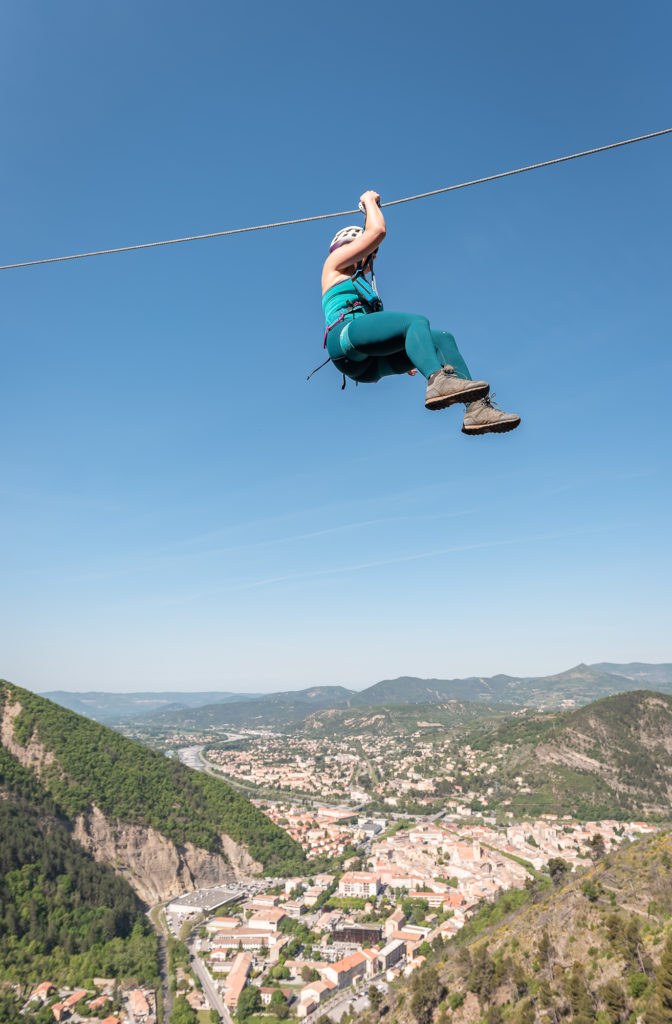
(34, 755)
(156, 867)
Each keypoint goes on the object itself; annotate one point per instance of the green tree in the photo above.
(182, 1012)
(463, 963)
(583, 1009)
(660, 1008)
(278, 1005)
(375, 997)
(637, 984)
(546, 952)
(558, 869)
(590, 890)
(249, 1002)
(597, 848)
(280, 972)
(426, 994)
(613, 997)
(482, 975)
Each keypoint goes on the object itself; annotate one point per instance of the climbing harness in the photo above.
(368, 292)
(369, 300)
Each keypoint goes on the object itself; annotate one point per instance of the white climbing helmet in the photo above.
(345, 235)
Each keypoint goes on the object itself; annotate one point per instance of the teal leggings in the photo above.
(377, 345)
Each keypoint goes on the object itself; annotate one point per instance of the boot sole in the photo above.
(492, 428)
(462, 397)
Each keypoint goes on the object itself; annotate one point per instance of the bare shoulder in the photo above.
(331, 274)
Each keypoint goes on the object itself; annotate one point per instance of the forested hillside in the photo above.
(63, 917)
(87, 763)
(594, 949)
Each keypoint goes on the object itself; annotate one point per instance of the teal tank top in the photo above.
(334, 301)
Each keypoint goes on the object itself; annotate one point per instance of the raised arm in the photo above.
(342, 260)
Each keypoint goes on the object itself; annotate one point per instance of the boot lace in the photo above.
(489, 401)
(450, 371)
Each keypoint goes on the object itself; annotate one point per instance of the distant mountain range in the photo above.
(577, 686)
(112, 707)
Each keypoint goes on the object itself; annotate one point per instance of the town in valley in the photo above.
(405, 839)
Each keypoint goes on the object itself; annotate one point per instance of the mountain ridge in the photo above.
(580, 684)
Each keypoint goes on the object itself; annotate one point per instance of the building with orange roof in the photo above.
(218, 924)
(268, 916)
(98, 1002)
(394, 922)
(359, 883)
(345, 971)
(111, 1020)
(247, 938)
(371, 956)
(73, 999)
(196, 1000)
(138, 1003)
(264, 899)
(312, 995)
(60, 1011)
(236, 980)
(413, 964)
(43, 991)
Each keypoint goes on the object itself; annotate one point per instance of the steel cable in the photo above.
(341, 213)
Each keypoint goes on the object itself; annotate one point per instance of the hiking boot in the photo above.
(484, 417)
(447, 386)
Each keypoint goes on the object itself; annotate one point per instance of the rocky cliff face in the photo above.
(155, 866)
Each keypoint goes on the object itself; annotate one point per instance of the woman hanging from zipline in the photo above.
(365, 343)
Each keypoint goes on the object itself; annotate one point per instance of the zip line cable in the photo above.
(342, 213)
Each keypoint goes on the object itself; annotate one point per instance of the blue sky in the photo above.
(179, 508)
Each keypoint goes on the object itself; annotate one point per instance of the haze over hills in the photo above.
(111, 707)
(163, 826)
(273, 709)
(579, 685)
(639, 670)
